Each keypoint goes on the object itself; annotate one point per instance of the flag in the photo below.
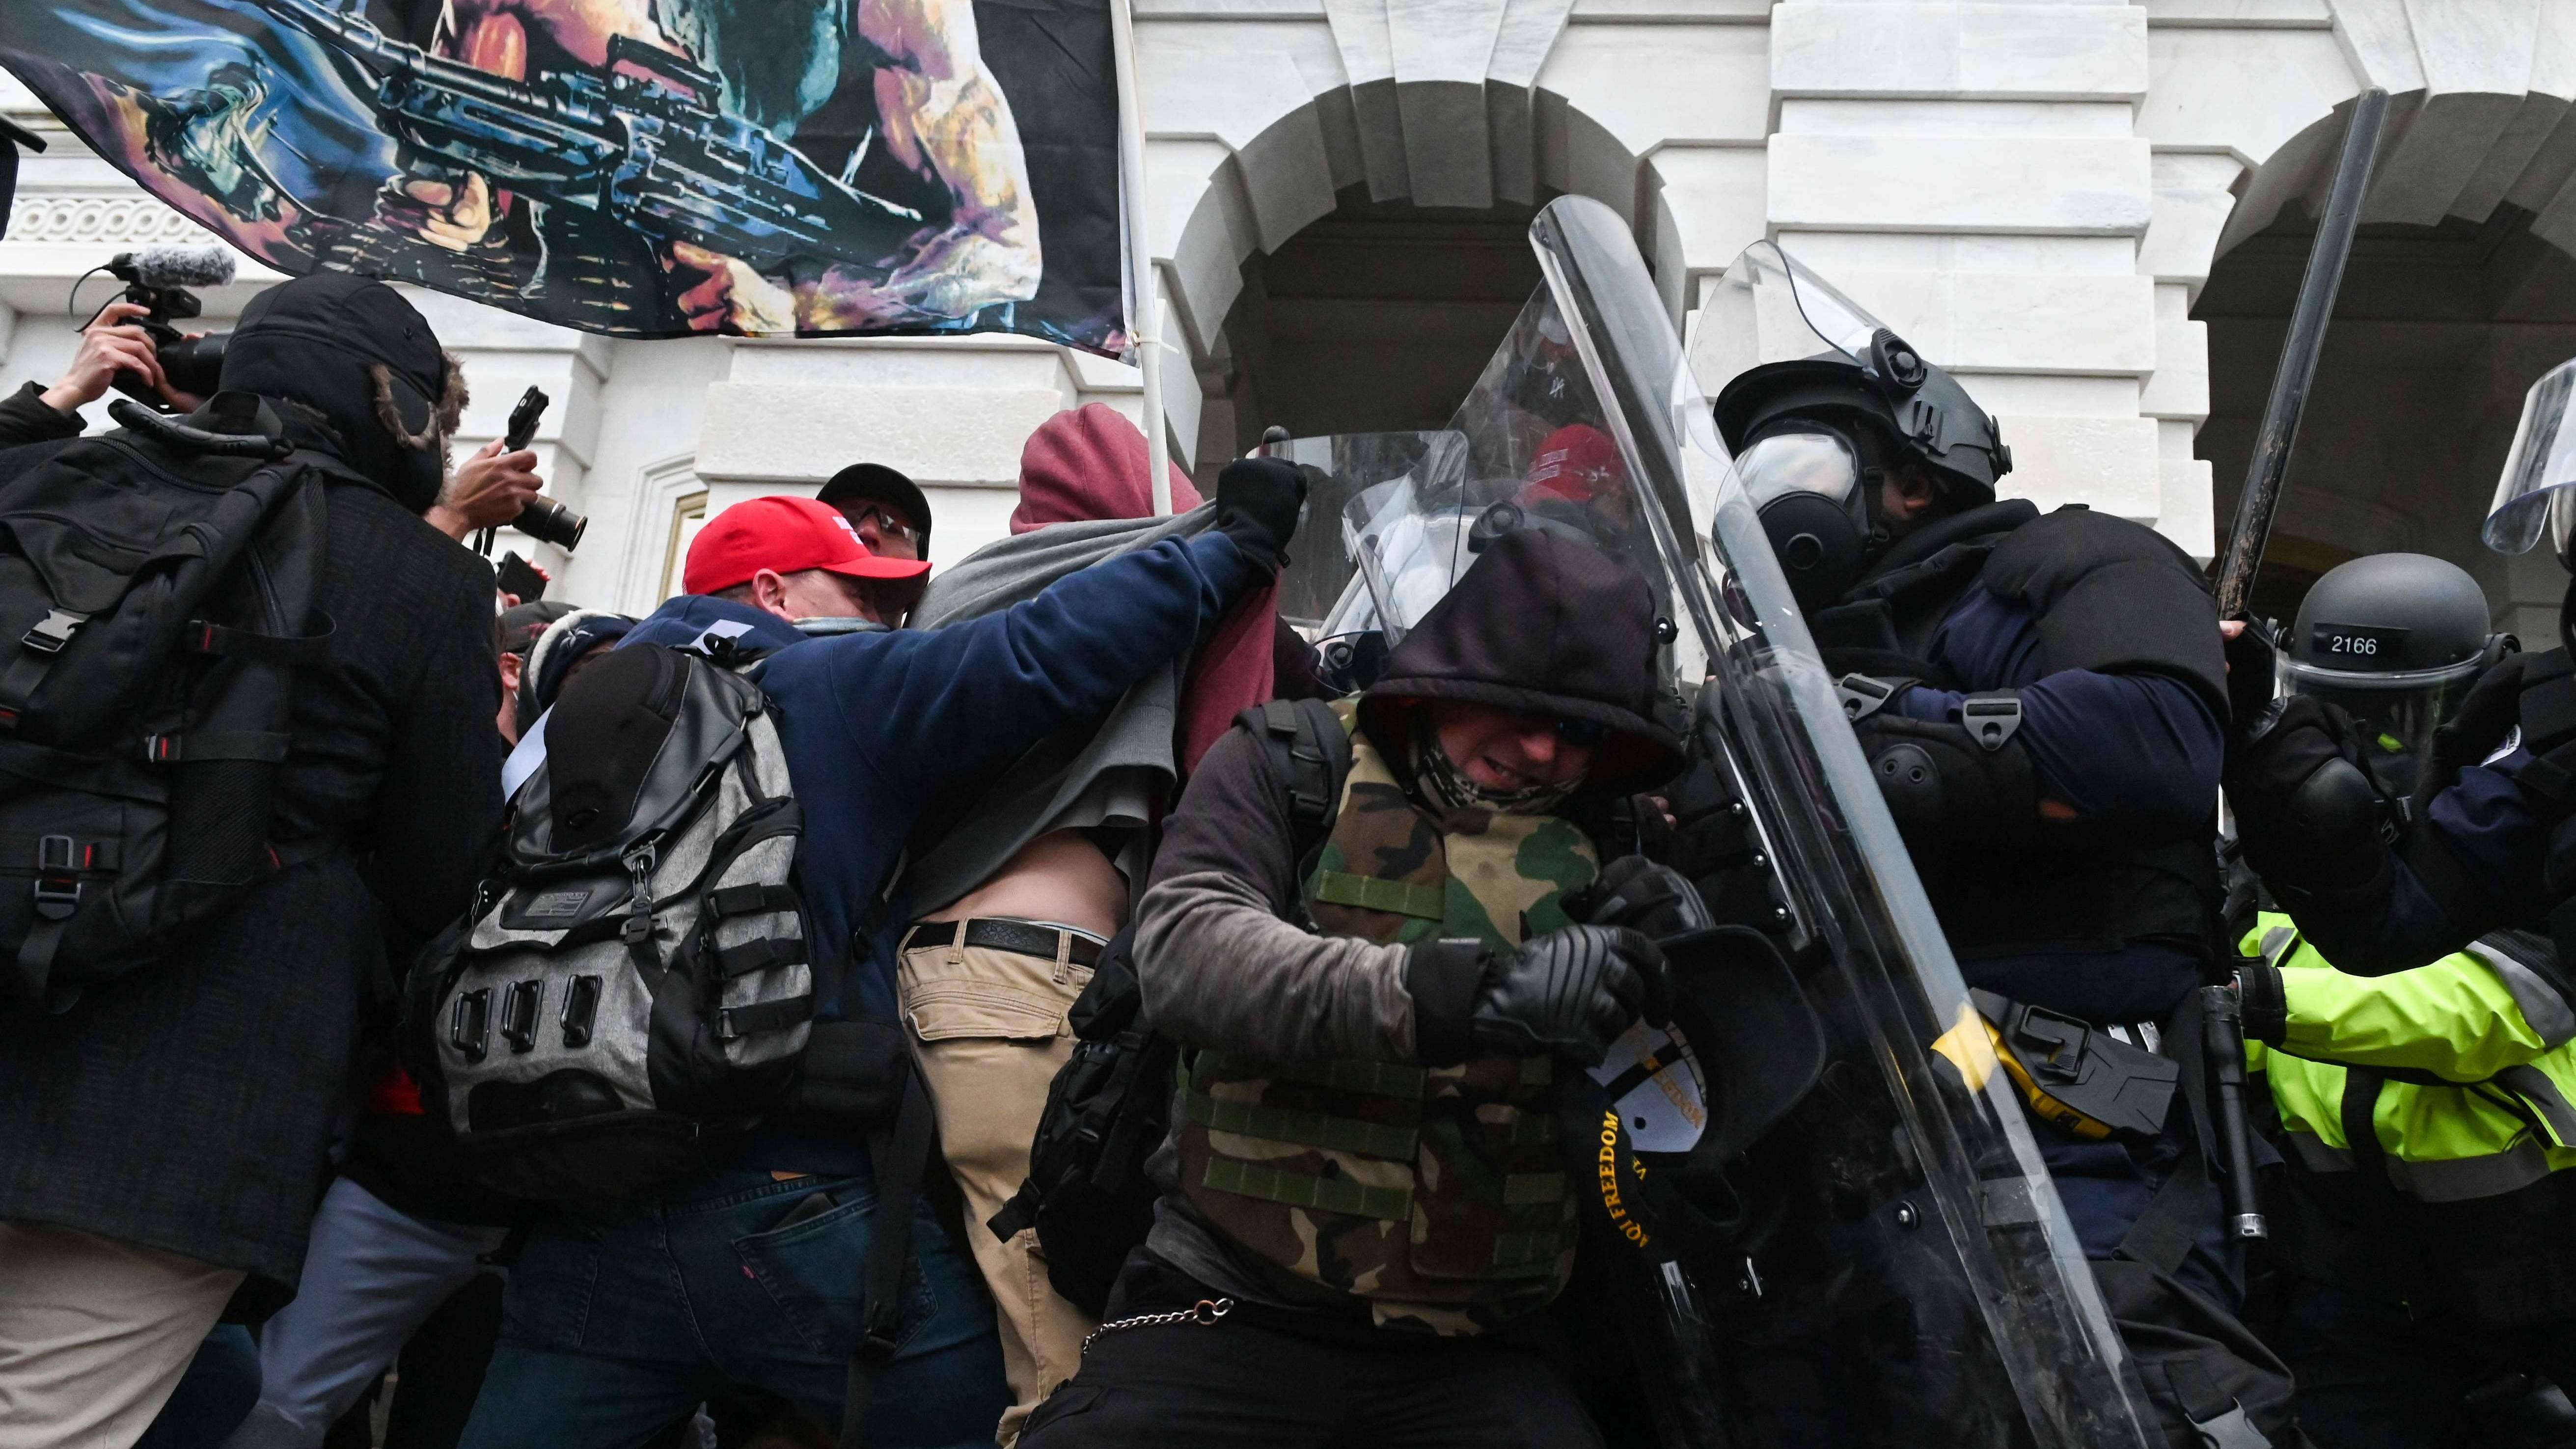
(756, 167)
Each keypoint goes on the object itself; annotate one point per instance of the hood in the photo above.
(1086, 465)
(569, 639)
(361, 360)
(1542, 624)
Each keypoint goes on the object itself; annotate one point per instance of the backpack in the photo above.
(629, 995)
(159, 584)
(1109, 1107)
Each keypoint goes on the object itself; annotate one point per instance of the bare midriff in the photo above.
(1060, 877)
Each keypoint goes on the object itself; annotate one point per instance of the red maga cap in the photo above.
(785, 535)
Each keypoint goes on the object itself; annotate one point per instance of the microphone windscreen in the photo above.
(198, 266)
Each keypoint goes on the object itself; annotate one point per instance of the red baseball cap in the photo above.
(1577, 463)
(787, 535)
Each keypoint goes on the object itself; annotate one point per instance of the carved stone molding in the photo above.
(129, 219)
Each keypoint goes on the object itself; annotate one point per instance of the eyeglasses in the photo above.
(887, 523)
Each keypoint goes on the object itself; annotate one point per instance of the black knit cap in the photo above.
(316, 340)
(877, 483)
(1544, 624)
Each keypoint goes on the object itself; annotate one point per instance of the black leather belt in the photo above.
(1019, 937)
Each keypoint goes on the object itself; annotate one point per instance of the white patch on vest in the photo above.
(705, 643)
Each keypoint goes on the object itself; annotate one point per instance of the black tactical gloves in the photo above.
(1570, 992)
(2263, 1002)
(1655, 900)
(2309, 813)
(1257, 502)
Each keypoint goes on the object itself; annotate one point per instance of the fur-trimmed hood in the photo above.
(365, 373)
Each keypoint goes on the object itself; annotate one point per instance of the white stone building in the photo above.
(2095, 213)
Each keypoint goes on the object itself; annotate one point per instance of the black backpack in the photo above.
(158, 583)
(1110, 1107)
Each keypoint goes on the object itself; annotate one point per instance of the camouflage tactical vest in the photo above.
(1439, 1194)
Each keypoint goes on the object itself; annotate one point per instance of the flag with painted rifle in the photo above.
(641, 168)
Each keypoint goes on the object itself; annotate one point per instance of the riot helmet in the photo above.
(2395, 640)
(1821, 403)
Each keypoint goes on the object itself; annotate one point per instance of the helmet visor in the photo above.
(2532, 497)
(1767, 309)
(2397, 711)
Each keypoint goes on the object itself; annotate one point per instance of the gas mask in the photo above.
(1810, 485)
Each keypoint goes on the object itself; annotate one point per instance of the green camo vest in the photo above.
(1439, 1194)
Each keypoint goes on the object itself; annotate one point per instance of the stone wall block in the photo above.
(2110, 463)
(1963, 52)
(2241, 93)
(1961, 183)
(1708, 206)
(2179, 387)
(2193, 197)
(1651, 86)
(2043, 323)
(773, 433)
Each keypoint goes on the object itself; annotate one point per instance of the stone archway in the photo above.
(1477, 109)
(2461, 287)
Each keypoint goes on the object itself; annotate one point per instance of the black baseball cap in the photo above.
(877, 483)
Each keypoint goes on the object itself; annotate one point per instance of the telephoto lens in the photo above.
(548, 521)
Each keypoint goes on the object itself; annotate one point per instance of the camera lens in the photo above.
(195, 364)
(551, 522)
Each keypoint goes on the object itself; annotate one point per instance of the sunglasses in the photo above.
(1581, 733)
(887, 524)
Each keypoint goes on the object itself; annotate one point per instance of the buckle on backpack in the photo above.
(54, 631)
(58, 887)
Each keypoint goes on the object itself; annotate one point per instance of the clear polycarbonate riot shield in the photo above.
(1889, 1264)
(1321, 591)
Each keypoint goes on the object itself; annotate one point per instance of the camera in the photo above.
(158, 278)
(542, 519)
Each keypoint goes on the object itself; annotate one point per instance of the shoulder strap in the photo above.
(1310, 753)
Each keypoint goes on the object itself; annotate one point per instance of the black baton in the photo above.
(2222, 1037)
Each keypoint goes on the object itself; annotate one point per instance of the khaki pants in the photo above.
(94, 1334)
(989, 1030)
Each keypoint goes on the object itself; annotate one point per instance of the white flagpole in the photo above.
(1145, 335)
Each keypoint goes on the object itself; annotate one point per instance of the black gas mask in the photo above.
(1815, 483)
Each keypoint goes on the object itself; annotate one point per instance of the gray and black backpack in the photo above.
(631, 994)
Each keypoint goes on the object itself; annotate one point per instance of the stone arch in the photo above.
(1434, 142)
(2461, 288)
(1257, 131)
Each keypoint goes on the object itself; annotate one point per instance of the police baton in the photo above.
(2222, 1040)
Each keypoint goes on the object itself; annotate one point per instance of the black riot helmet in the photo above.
(1819, 402)
(2395, 640)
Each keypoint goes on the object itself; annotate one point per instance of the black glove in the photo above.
(2263, 1002)
(1635, 892)
(1570, 992)
(2309, 813)
(1257, 502)
(2251, 657)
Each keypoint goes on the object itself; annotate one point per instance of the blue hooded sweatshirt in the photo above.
(879, 726)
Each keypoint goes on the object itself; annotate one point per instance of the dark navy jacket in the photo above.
(2131, 753)
(880, 726)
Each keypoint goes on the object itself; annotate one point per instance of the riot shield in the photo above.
(1890, 1264)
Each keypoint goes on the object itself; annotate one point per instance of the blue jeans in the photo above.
(616, 1327)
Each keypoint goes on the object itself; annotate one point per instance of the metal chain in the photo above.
(1204, 1313)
